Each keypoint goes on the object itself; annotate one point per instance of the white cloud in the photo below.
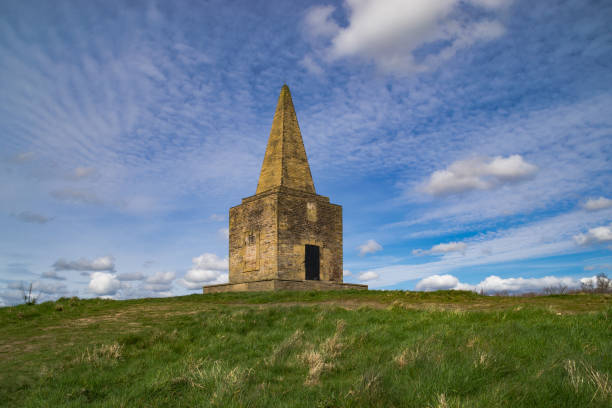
(595, 235)
(443, 248)
(389, 32)
(595, 204)
(52, 275)
(514, 285)
(31, 217)
(105, 263)
(368, 276)
(160, 282)
(104, 284)
(346, 272)
(130, 276)
(440, 282)
(369, 247)
(161, 277)
(479, 174)
(494, 284)
(547, 237)
(593, 280)
(318, 21)
(207, 269)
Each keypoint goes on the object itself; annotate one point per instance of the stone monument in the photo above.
(286, 236)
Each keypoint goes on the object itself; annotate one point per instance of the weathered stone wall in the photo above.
(309, 219)
(253, 239)
(269, 232)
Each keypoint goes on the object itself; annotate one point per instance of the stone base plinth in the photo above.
(281, 284)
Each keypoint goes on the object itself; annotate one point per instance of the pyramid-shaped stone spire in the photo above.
(285, 163)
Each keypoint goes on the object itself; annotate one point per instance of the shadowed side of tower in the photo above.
(285, 236)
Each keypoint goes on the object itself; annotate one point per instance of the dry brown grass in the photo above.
(587, 375)
(321, 360)
(408, 356)
(442, 401)
(204, 375)
(285, 348)
(104, 353)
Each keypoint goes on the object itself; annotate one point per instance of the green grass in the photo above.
(310, 349)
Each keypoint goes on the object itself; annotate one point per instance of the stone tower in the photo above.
(286, 236)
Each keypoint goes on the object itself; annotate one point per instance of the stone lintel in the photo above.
(281, 284)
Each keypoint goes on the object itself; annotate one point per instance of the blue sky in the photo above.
(469, 142)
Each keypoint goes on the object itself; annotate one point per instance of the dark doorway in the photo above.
(312, 262)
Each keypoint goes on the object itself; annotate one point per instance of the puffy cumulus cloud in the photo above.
(105, 263)
(32, 217)
(441, 282)
(403, 36)
(104, 284)
(442, 249)
(160, 282)
(596, 204)
(369, 247)
(494, 284)
(52, 275)
(346, 272)
(595, 281)
(130, 276)
(516, 285)
(595, 236)
(207, 269)
(479, 174)
(368, 276)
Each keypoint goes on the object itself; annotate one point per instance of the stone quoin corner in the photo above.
(286, 236)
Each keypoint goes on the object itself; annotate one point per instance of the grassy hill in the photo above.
(310, 349)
